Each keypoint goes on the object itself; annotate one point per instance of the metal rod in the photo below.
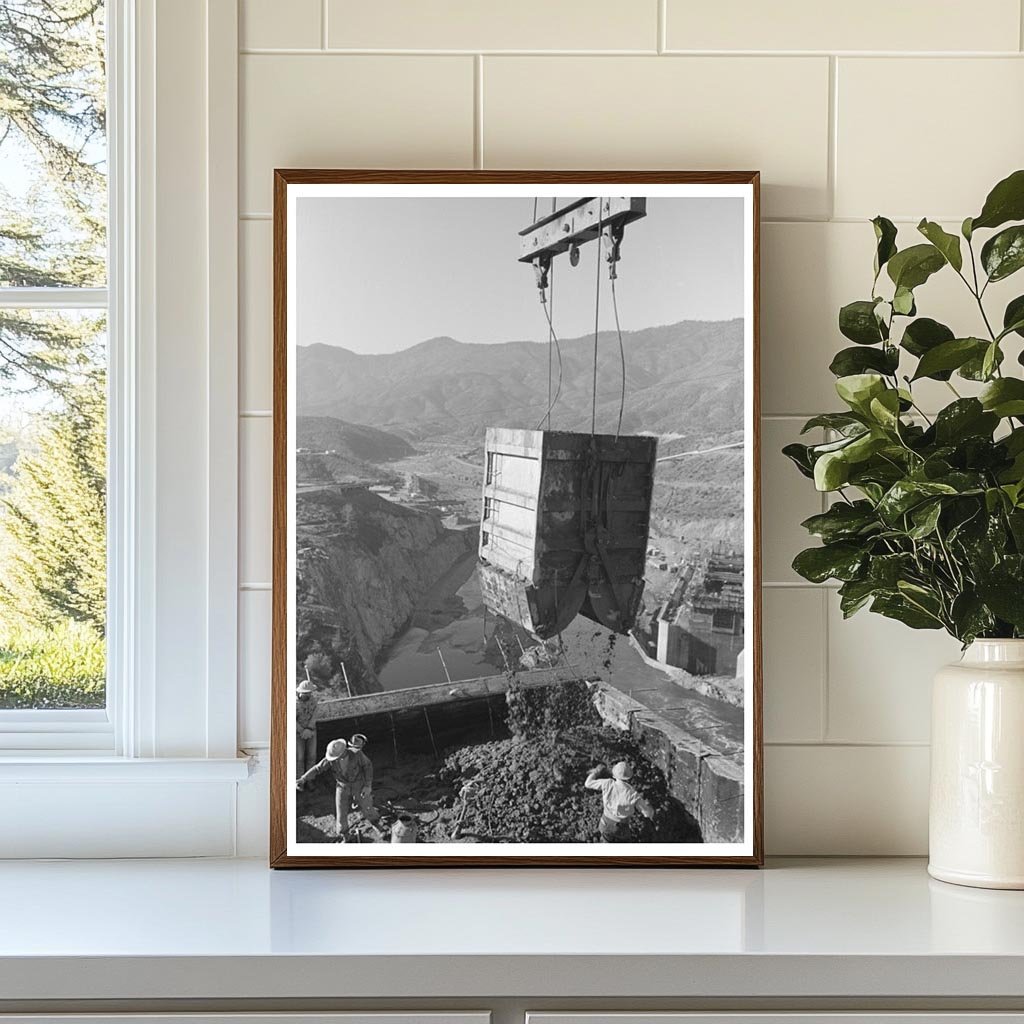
(444, 666)
(431, 732)
(394, 736)
(344, 672)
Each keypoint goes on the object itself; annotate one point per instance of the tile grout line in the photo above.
(662, 28)
(1020, 24)
(478, 111)
(833, 134)
(768, 55)
(323, 24)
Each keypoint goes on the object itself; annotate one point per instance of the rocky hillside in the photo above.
(350, 440)
(333, 450)
(363, 563)
(683, 378)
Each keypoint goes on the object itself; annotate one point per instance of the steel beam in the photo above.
(578, 223)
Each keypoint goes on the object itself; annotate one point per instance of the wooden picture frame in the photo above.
(285, 849)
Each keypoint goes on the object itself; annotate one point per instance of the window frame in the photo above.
(162, 717)
(78, 730)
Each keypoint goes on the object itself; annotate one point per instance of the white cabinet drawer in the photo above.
(786, 1017)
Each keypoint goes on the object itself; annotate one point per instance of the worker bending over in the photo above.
(352, 771)
(620, 800)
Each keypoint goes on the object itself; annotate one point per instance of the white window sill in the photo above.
(84, 767)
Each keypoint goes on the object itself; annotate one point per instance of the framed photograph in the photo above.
(516, 613)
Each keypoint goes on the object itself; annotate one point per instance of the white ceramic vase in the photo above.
(976, 816)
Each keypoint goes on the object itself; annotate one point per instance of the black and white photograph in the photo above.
(515, 535)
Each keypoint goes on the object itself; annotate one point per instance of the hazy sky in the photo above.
(379, 275)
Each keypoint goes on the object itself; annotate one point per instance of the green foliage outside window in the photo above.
(927, 522)
(52, 365)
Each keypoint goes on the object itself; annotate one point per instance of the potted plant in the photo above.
(926, 524)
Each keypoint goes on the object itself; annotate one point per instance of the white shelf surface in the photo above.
(234, 929)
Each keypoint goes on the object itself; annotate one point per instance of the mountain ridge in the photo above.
(682, 378)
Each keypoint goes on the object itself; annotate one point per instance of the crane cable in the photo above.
(622, 357)
(597, 313)
(548, 304)
(612, 274)
(547, 300)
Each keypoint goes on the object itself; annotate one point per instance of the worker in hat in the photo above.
(337, 761)
(352, 772)
(306, 703)
(620, 800)
(361, 777)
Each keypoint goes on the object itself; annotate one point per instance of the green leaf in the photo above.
(949, 355)
(1003, 254)
(857, 321)
(849, 361)
(885, 409)
(887, 570)
(925, 518)
(966, 417)
(858, 389)
(974, 368)
(923, 335)
(800, 456)
(906, 494)
(840, 561)
(1004, 594)
(970, 617)
(903, 302)
(885, 237)
(831, 471)
(965, 229)
(1005, 202)
(911, 267)
(899, 608)
(991, 360)
(854, 594)
(947, 244)
(843, 521)
(863, 447)
(1013, 317)
(1004, 397)
(841, 421)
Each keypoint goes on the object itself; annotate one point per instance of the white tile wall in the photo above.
(472, 25)
(909, 109)
(872, 25)
(333, 110)
(678, 112)
(969, 109)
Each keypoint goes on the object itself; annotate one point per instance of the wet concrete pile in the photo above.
(527, 782)
(530, 785)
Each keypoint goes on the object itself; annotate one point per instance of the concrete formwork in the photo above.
(705, 777)
(706, 781)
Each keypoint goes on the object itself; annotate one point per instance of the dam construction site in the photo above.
(520, 627)
(525, 742)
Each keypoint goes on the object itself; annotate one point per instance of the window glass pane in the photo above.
(53, 202)
(52, 509)
(53, 149)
